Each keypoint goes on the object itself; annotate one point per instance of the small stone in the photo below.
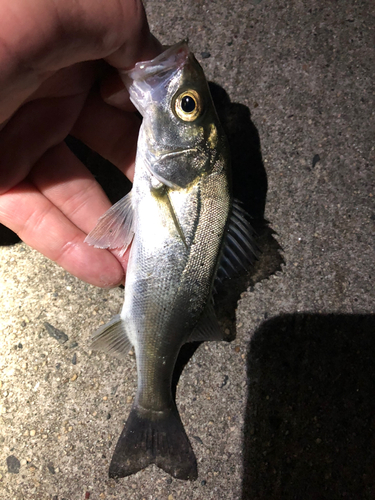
(197, 438)
(105, 398)
(134, 486)
(13, 464)
(204, 482)
(225, 381)
(315, 160)
(51, 468)
(26, 433)
(102, 495)
(32, 432)
(205, 54)
(74, 377)
(59, 335)
(73, 345)
(129, 399)
(74, 359)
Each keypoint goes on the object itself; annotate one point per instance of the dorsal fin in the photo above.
(239, 249)
(208, 327)
(114, 229)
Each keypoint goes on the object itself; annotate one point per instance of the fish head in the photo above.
(180, 129)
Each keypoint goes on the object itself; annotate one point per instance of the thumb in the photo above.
(73, 31)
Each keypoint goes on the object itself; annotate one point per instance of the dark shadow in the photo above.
(111, 179)
(7, 237)
(249, 180)
(309, 428)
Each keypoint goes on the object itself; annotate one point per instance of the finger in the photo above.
(70, 186)
(110, 132)
(113, 92)
(36, 127)
(41, 225)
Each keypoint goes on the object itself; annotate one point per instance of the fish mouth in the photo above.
(173, 58)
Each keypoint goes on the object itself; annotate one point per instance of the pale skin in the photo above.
(57, 77)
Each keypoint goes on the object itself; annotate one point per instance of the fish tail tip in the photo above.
(159, 440)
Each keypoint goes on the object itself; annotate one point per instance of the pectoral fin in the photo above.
(112, 338)
(114, 229)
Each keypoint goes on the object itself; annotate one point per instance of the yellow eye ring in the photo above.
(188, 105)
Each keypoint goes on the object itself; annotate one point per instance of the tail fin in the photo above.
(154, 438)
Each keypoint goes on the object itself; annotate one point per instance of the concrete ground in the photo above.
(286, 410)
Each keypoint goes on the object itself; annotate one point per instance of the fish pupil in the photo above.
(187, 104)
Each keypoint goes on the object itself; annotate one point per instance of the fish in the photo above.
(187, 235)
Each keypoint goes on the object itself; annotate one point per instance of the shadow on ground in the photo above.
(310, 418)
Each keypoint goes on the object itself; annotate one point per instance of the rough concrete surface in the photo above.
(286, 410)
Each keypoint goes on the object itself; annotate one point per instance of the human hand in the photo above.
(52, 56)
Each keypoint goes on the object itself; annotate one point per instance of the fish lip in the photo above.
(174, 57)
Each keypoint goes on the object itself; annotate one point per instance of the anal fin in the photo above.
(112, 338)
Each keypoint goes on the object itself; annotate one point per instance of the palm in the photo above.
(47, 195)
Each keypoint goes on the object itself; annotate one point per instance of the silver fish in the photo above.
(185, 229)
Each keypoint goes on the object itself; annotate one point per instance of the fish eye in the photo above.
(188, 105)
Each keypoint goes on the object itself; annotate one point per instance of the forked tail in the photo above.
(154, 438)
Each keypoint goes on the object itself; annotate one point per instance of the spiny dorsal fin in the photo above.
(114, 229)
(112, 338)
(240, 250)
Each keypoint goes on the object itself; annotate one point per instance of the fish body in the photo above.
(178, 217)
